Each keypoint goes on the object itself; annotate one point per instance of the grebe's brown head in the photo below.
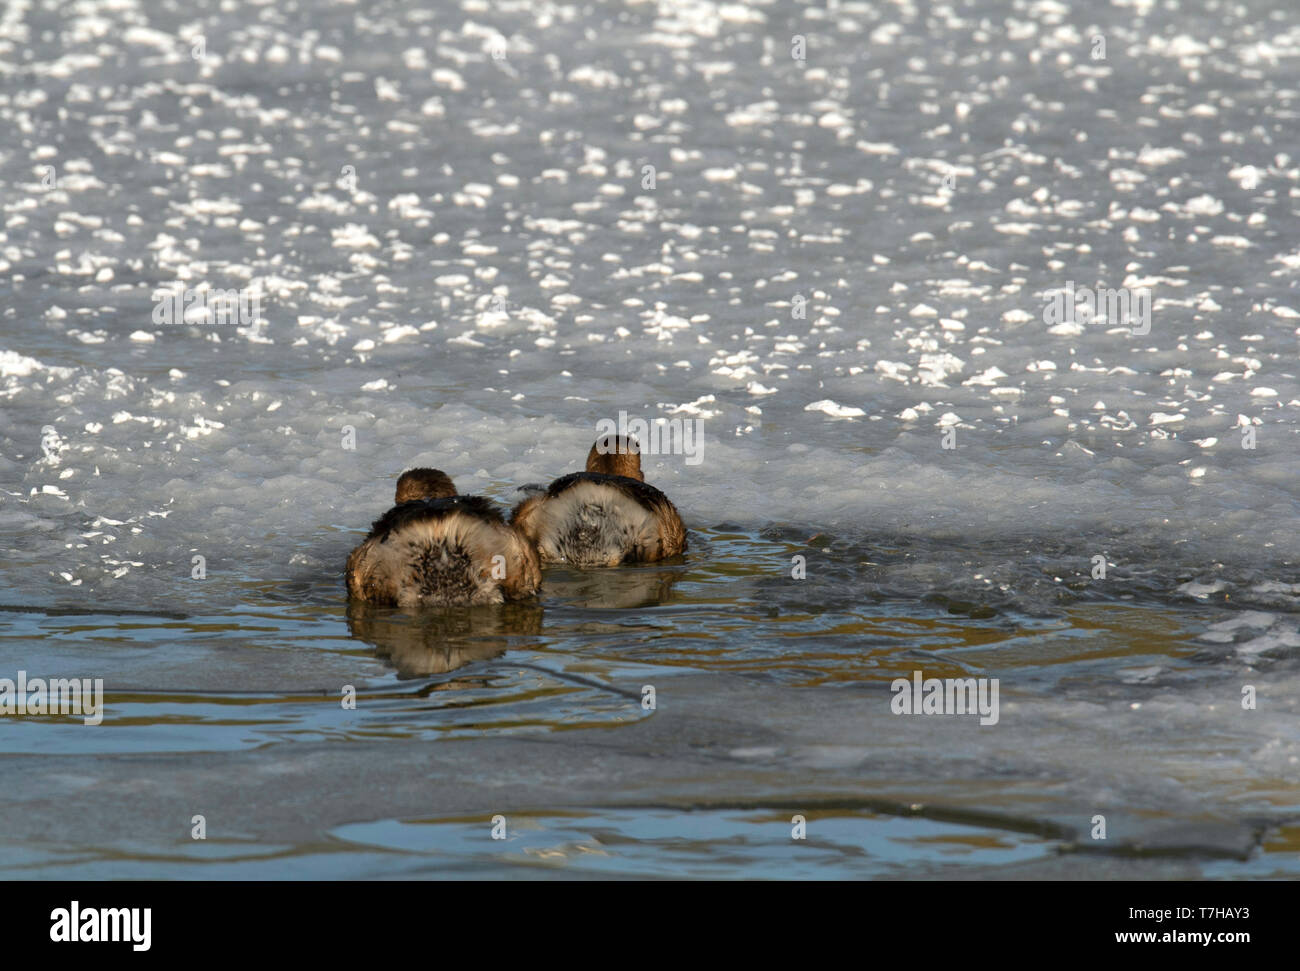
(616, 455)
(423, 484)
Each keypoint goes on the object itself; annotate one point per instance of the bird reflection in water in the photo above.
(436, 640)
(421, 642)
(623, 588)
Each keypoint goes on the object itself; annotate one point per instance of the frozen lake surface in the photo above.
(473, 230)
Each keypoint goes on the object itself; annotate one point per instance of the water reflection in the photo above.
(618, 588)
(436, 640)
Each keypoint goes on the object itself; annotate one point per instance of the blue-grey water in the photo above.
(468, 232)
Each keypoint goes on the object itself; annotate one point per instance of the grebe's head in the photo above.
(616, 455)
(423, 484)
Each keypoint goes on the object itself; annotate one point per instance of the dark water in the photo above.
(770, 701)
